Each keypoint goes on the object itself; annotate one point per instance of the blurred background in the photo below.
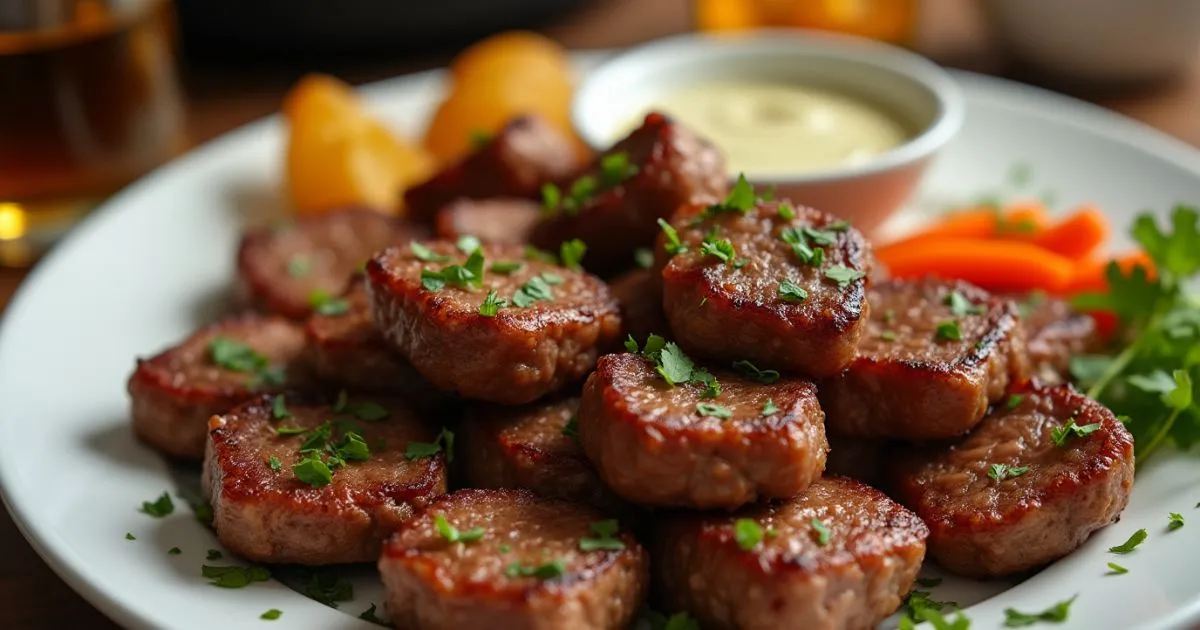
(95, 93)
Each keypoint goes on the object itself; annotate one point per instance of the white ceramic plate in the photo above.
(158, 259)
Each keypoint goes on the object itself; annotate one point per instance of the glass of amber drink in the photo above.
(88, 101)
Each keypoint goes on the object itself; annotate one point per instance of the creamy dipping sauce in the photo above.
(773, 128)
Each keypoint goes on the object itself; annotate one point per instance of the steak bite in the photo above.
(780, 285)
(660, 445)
(539, 329)
(640, 295)
(290, 269)
(839, 556)
(513, 163)
(293, 481)
(1026, 487)
(174, 393)
(508, 221)
(511, 559)
(935, 354)
(345, 350)
(534, 446)
(615, 204)
(1055, 332)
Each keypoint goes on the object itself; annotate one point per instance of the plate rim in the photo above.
(1060, 108)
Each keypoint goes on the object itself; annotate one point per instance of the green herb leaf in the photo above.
(274, 464)
(234, 577)
(279, 409)
(960, 306)
(1000, 472)
(467, 244)
(843, 275)
(160, 507)
(769, 408)
(298, 266)
(948, 331)
(1129, 545)
(312, 471)
(631, 344)
(615, 168)
(1055, 614)
(741, 198)
(571, 429)
(1116, 569)
(272, 614)
(491, 304)
(213, 554)
(604, 537)
(822, 532)
(643, 257)
(674, 366)
(1060, 435)
(714, 411)
(546, 571)
(420, 450)
(673, 245)
(129, 536)
(791, 292)
(551, 198)
(928, 582)
(452, 534)
(571, 253)
(1175, 521)
(785, 211)
(747, 533)
(325, 304)
(751, 371)
(235, 356)
(425, 254)
(535, 289)
(506, 267)
(887, 335)
(1014, 401)
(721, 249)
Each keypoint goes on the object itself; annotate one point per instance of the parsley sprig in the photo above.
(1151, 379)
(604, 537)
(1054, 614)
(673, 365)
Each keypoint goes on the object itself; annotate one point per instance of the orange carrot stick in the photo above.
(991, 264)
(1090, 273)
(1076, 236)
(1020, 221)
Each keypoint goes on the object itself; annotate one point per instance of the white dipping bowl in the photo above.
(910, 88)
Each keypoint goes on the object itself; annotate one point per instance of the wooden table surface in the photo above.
(32, 597)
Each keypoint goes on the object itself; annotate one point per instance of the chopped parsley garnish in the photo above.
(551, 278)
(714, 411)
(889, 316)
(505, 267)
(741, 199)
(747, 533)
(323, 303)
(468, 243)
(616, 168)
(491, 304)
(158, 508)
(202, 510)
(786, 211)
(546, 571)
(822, 532)
(213, 554)
(234, 577)
(452, 534)
(673, 365)
(604, 537)
(235, 356)
(279, 409)
(366, 410)
(791, 292)
(960, 306)
(721, 249)
(505, 548)
(571, 429)
(420, 450)
(298, 266)
(643, 257)
(272, 614)
(1000, 472)
(1116, 569)
(751, 371)
(948, 330)
(801, 247)
(928, 582)
(470, 273)
(425, 254)
(318, 584)
(313, 471)
(551, 198)
(769, 408)
(1174, 521)
(1014, 401)
(129, 536)
(1129, 545)
(888, 335)
(1054, 614)
(712, 389)
(286, 431)
(1061, 435)
(571, 253)
(935, 619)
(370, 616)
(673, 245)
(843, 275)
(535, 289)
(274, 464)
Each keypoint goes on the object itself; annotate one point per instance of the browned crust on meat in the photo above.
(270, 516)
(506, 220)
(983, 528)
(652, 452)
(515, 357)
(789, 580)
(429, 588)
(526, 447)
(675, 167)
(272, 290)
(521, 156)
(170, 411)
(887, 395)
(722, 311)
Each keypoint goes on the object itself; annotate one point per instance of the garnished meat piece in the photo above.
(507, 221)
